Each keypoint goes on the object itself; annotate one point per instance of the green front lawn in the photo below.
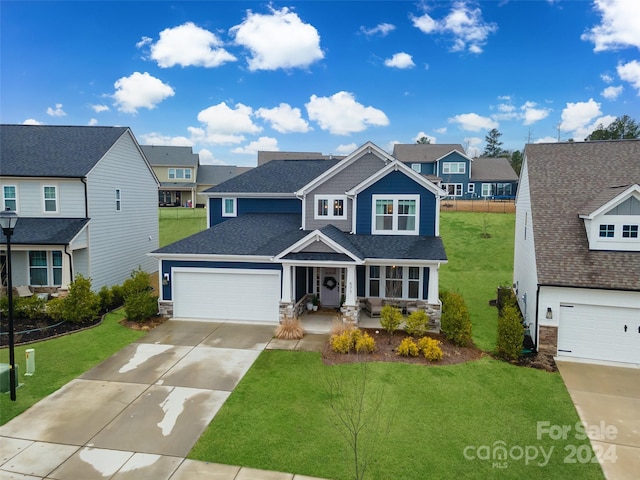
(60, 360)
(279, 418)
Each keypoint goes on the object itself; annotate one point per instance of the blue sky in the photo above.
(231, 78)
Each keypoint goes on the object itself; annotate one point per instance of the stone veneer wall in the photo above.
(548, 342)
(165, 308)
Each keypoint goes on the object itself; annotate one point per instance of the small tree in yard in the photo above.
(139, 301)
(455, 321)
(417, 323)
(81, 303)
(510, 333)
(390, 319)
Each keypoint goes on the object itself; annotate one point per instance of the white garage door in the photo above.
(226, 294)
(599, 333)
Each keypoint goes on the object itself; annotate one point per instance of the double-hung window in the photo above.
(454, 167)
(118, 200)
(395, 214)
(487, 189)
(45, 267)
(10, 196)
(229, 207)
(50, 198)
(374, 281)
(180, 174)
(331, 207)
(394, 281)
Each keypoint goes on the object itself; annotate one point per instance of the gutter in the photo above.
(86, 197)
(66, 247)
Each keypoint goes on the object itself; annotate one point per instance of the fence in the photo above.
(490, 206)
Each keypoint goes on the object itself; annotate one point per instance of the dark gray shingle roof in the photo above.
(216, 174)
(267, 156)
(45, 231)
(424, 153)
(493, 169)
(276, 176)
(563, 178)
(163, 155)
(53, 151)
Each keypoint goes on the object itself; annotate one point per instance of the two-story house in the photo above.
(365, 226)
(176, 168)
(86, 198)
(577, 249)
(460, 176)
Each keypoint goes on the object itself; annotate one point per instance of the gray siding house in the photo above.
(86, 198)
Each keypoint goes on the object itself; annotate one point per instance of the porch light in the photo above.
(8, 221)
(549, 313)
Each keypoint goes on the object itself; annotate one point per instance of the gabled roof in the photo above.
(493, 169)
(425, 152)
(277, 176)
(216, 174)
(267, 156)
(606, 197)
(170, 156)
(54, 151)
(563, 178)
(45, 231)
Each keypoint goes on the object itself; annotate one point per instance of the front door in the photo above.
(330, 287)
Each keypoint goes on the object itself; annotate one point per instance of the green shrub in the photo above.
(117, 297)
(55, 309)
(365, 344)
(417, 323)
(106, 299)
(140, 306)
(408, 348)
(32, 307)
(342, 342)
(510, 333)
(390, 318)
(81, 304)
(4, 305)
(139, 281)
(430, 348)
(455, 321)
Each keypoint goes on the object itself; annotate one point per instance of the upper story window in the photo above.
(454, 167)
(331, 207)
(118, 200)
(50, 198)
(607, 231)
(416, 167)
(630, 231)
(180, 173)
(229, 207)
(10, 197)
(395, 214)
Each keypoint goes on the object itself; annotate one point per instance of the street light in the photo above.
(8, 220)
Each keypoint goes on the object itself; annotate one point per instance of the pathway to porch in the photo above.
(322, 321)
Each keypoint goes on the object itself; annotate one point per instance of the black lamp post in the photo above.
(8, 220)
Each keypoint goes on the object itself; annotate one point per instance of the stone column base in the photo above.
(287, 311)
(350, 314)
(165, 308)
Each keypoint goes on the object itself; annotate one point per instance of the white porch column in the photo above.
(286, 284)
(66, 270)
(350, 290)
(433, 284)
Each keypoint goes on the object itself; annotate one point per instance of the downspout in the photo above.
(66, 247)
(86, 215)
(536, 319)
(86, 197)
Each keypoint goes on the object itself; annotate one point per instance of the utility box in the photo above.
(31, 362)
(5, 384)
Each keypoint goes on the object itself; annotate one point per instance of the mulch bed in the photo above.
(29, 331)
(387, 347)
(146, 325)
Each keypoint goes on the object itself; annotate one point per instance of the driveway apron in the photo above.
(607, 399)
(138, 413)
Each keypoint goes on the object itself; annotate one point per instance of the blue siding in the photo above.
(167, 265)
(254, 205)
(462, 178)
(301, 282)
(425, 283)
(361, 280)
(397, 183)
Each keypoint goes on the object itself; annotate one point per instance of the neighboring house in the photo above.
(460, 176)
(344, 230)
(182, 177)
(86, 198)
(577, 248)
(265, 156)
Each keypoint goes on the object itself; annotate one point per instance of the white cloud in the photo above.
(346, 149)
(630, 72)
(422, 134)
(140, 90)
(342, 115)
(464, 23)
(100, 108)
(606, 78)
(207, 158)
(188, 45)
(278, 40)
(618, 27)
(474, 122)
(284, 119)
(441, 130)
(400, 60)
(611, 93)
(578, 115)
(382, 30)
(155, 138)
(92, 122)
(472, 146)
(32, 121)
(547, 140)
(263, 143)
(530, 114)
(224, 125)
(56, 112)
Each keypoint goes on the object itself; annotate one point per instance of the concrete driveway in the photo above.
(607, 399)
(138, 413)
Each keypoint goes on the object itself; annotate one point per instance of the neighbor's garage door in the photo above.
(599, 333)
(227, 294)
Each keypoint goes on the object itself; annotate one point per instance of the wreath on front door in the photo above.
(330, 283)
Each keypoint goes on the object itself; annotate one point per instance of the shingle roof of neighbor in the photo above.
(45, 231)
(494, 169)
(54, 151)
(270, 234)
(170, 155)
(563, 179)
(276, 176)
(421, 153)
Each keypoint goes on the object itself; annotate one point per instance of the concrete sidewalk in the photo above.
(138, 414)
